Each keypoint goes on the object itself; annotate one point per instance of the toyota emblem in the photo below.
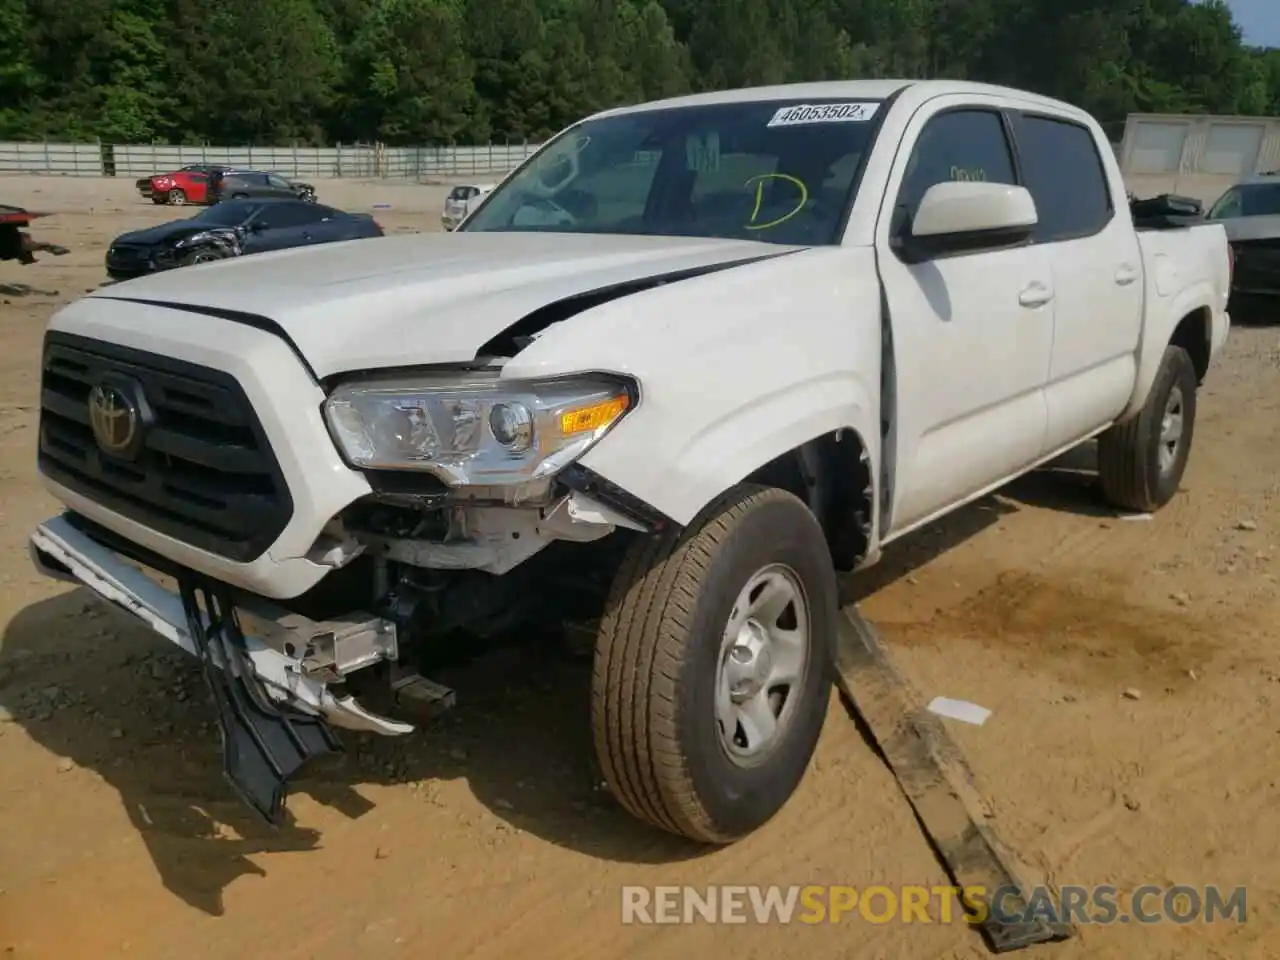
(116, 420)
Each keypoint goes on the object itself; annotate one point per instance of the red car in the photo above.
(188, 185)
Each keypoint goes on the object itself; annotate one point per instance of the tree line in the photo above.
(471, 71)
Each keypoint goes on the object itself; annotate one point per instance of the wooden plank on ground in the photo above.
(939, 784)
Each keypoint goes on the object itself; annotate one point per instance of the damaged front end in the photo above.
(479, 522)
(16, 243)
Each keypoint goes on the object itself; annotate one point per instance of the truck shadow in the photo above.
(1068, 484)
(104, 694)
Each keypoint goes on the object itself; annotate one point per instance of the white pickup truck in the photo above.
(686, 363)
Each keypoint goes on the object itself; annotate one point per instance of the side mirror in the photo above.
(968, 216)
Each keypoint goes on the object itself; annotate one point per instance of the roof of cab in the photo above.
(844, 89)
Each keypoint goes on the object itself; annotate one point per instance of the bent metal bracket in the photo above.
(938, 783)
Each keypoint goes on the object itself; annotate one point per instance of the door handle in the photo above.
(1126, 275)
(1035, 294)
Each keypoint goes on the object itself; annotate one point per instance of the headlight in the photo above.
(474, 429)
(194, 238)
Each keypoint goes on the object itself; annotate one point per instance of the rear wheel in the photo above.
(1141, 461)
(711, 677)
(177, 196)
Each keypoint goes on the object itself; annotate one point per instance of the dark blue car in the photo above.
(234, 228)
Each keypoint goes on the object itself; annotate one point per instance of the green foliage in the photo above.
(465, 71)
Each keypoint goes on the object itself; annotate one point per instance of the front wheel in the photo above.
(202, 256)
(712, 677)
(1141, 461)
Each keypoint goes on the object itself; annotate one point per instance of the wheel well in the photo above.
(832, 474)
(1193, 334)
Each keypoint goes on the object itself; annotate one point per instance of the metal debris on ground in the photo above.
(937, 781)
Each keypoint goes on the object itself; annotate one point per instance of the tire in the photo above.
(202, 256)
(658, 661)
(157, 199)
(177, 196)
(1140, 470)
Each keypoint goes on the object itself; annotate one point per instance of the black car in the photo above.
(249, 184)
(1250, 214)
(234, 228)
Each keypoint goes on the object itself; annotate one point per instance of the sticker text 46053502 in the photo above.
(823, 113)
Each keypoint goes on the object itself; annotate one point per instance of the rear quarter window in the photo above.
(1063, 170)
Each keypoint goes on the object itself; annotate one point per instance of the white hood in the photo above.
(425, 298)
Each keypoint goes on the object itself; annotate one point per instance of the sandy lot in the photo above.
(485, 837)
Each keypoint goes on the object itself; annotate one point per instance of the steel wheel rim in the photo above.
(1172, 425)
(764, 655)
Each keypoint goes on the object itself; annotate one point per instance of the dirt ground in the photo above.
(1132, 667)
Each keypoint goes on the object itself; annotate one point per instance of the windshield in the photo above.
(1248, 200)
(778, 171)
(229, 213)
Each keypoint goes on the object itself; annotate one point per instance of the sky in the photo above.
(1259, 19)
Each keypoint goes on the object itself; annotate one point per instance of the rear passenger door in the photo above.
(278, 186)
(253, 185)
(1097, 273)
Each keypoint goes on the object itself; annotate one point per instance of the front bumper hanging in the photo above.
(275, 710)
(263, 744)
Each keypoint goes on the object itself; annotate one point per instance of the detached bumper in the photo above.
(62, 551)
(274, 707)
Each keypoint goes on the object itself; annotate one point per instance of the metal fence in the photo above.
(361, 160)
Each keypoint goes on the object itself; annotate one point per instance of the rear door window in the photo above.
(1064, 172)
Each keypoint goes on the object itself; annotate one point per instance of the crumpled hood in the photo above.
(169, 232)
(424, 298)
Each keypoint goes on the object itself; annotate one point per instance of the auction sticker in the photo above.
(802, 113)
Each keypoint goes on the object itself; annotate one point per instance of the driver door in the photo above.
(279, 226)
(972, 331)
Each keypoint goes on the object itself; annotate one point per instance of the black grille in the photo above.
(205, 474)
(127, 254)
(133, 259)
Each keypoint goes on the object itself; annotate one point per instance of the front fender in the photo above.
(735, 368)
(725, 452)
